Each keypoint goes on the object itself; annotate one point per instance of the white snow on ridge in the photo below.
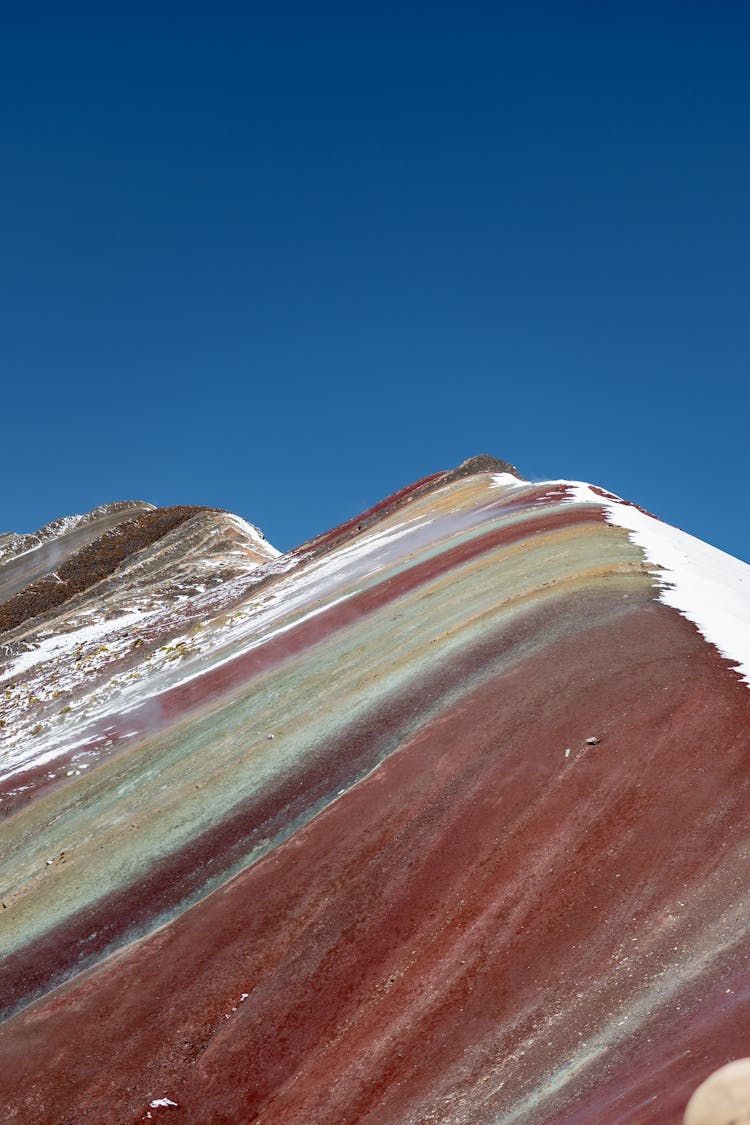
(706, 585)
(255, 534)
(506, 480)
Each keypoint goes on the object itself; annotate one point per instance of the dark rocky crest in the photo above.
(482, 463)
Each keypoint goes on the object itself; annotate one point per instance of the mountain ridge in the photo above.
(382, 821)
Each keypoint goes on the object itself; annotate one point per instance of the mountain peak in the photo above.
(484, 463)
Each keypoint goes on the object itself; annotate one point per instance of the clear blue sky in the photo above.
(284, 258)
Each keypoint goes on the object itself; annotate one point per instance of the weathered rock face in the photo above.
(440, 817)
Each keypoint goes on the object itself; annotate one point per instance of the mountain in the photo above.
(440, 817)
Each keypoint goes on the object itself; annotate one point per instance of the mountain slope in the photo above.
(440, 817)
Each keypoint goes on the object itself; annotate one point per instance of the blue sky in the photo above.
(285, 258)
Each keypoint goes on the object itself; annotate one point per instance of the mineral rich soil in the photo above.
(440, 818)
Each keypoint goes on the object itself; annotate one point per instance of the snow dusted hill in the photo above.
(440, 817)
(62, 667)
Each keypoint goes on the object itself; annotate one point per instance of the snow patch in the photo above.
(506, 480)
(256, 535)
(55, 644)
(706, 585)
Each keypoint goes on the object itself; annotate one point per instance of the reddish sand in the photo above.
(480, 894)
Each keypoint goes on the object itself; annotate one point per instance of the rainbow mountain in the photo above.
(443, 816)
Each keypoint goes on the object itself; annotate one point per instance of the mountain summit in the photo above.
(441, 816)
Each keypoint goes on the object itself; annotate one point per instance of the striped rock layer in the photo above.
(442, 817)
